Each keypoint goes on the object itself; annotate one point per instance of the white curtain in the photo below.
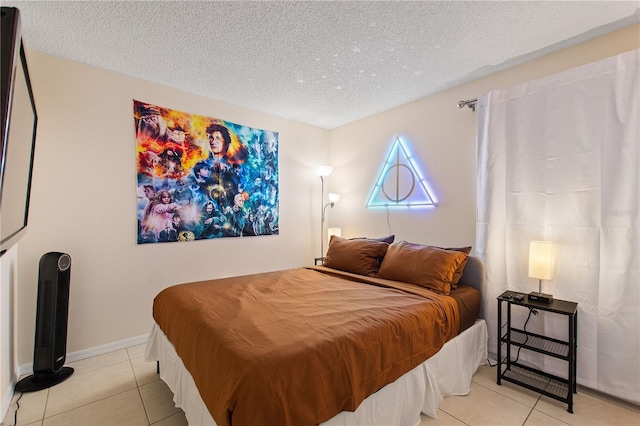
(559, 160)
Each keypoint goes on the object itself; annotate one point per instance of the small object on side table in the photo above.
(534, 296)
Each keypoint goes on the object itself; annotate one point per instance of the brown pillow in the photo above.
(387, 240)
(460, 268)
(426, 266)
(356, 256)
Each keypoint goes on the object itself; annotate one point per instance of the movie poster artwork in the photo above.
(201, 178)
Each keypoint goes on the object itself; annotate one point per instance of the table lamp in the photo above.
(542, 265)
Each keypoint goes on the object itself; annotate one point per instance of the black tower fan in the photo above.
(50, 347)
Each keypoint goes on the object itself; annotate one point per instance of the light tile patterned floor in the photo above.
(508, 404)
(121, 388)
(115, 389)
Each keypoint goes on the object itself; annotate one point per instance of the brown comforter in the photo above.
(296, 347)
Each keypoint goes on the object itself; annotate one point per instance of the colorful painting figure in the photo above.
(201, 178)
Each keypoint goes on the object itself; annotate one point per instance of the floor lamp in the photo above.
(322, 172)
(333, 199)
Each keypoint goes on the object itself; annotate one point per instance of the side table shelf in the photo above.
(542, 344)
(510, 370)
(551, 386)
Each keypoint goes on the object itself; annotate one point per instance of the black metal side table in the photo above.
(531, 378)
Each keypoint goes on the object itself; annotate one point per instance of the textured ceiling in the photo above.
(322, 63)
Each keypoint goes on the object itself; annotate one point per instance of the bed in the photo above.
(379, 334)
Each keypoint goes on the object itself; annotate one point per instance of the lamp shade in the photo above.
(542, 259)
(323, 171)
(334, 231)
(334, 197)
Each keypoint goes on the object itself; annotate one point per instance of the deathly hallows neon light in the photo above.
(400, 183)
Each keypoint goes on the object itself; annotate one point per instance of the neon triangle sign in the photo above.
(400, 183)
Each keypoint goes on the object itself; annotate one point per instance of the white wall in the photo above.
(84, 202)
(442, 137)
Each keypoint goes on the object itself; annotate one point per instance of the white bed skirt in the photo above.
(422, 389)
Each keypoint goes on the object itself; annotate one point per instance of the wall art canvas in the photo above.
(201, 178)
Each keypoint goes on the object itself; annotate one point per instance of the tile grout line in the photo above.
(508, 397)
(547, 414)
(460, 420)
(44, 416)
(531, 410)
(144, 406)
(135, 378)
(46, 403)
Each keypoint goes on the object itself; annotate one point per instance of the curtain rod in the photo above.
(471, 103)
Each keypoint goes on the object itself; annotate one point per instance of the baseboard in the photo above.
(91, 352)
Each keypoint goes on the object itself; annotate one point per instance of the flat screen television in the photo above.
(19, 122)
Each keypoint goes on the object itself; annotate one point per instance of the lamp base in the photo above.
(534, 296)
